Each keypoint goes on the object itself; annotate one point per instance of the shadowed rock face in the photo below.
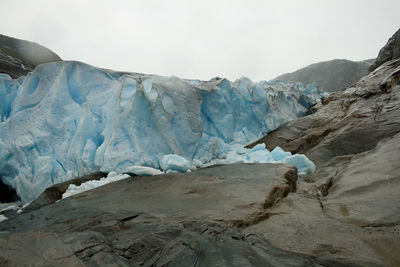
(390, 51)
(18, 57)
(331, 76)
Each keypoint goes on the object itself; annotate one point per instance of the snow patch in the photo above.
(3, 218)
(89, 185)
(11, 207)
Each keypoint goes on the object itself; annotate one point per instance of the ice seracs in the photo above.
(68, 119)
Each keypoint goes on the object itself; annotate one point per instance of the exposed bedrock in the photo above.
(172, 219)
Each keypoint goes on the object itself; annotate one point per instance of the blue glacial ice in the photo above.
(67, 119)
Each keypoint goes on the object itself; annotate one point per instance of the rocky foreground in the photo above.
(177, 219)
(345, 214)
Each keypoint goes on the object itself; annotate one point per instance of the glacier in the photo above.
(68, 119)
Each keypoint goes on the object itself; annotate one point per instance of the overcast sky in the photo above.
(204, 38)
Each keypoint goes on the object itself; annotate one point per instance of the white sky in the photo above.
(203, 39)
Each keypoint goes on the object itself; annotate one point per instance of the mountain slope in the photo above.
(331, 76)
(18, 57)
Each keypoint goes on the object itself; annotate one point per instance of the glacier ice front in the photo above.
(67, 119)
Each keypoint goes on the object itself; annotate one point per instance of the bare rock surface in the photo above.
(192, 219)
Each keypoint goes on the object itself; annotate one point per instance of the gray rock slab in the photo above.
(366, 191)
(300, 223)
(191, 219)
